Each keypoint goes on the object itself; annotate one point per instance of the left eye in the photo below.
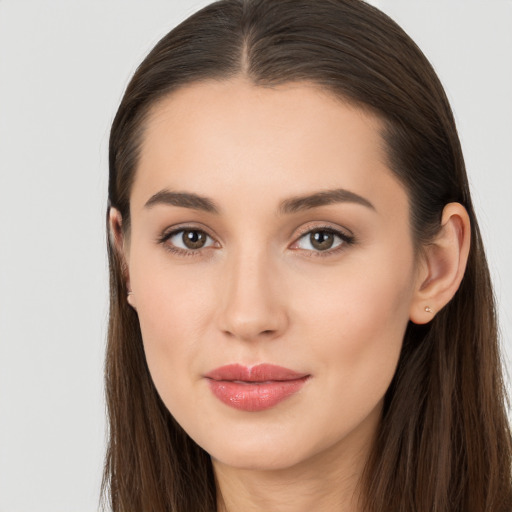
(320, 240)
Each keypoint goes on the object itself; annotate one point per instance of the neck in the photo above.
(259, 492)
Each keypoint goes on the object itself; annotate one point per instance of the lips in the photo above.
(254, 388)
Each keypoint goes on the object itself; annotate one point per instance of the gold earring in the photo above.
(427, 309)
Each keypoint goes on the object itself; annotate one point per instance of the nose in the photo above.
(251, 304)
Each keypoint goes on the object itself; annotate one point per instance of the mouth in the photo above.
(254, 388)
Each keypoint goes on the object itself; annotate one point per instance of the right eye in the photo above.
(187, 241)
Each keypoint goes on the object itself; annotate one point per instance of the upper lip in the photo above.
(258, 373)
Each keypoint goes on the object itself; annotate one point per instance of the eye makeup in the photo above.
(194, 241)
(315, 236)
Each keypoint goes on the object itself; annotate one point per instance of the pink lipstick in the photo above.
(254, 388)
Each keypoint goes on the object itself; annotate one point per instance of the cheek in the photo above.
(358, 326)
(173, 304)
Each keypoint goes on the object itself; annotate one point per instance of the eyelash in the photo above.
(346, 240)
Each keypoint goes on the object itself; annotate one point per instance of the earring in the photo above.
(427, 309)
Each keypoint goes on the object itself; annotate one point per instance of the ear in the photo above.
(443, 265)
(118, 241)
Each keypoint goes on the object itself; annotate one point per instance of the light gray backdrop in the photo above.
(63, 67)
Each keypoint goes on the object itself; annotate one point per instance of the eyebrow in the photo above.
(322, 198)
(288, 206)
(184, 200)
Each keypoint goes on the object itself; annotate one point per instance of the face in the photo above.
(272, 269)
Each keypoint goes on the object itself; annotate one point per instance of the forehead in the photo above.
(219, 137)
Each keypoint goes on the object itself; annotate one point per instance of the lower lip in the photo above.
(255, 396)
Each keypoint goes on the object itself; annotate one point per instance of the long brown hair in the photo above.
(444, 443)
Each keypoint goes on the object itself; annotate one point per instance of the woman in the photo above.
(301, 311)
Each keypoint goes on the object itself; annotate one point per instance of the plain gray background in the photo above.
(63, 68)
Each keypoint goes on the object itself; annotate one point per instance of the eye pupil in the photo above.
(322, 240)
(194, 239)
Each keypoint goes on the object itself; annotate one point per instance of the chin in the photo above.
(259, 459)
(259, 452)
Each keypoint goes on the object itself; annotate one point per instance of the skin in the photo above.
(259, 291)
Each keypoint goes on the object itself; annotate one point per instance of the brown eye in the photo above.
(193, 239)
(184, 240)
(321, 240)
